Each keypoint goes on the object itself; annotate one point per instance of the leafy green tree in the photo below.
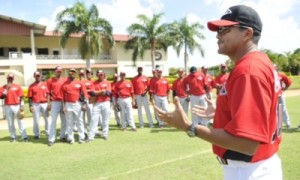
(95, 30)
(148, 34)
(187, 36)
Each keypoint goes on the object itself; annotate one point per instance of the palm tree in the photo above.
(186, 36)
(95, 30)
(149, 34)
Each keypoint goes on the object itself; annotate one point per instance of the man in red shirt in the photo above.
(179, 91)
(72, 107)
(14, 104)
(209, 81)
(221, 78)
(152, 80)
(55, 105)
(160, 90)
(37, 97)
(196, 87)
(101, 89)
(140, 85)
(85, 77)
(247, 120)
(125, 100)
(116, 109)
(285, 83)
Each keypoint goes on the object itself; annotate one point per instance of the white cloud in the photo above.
(50, 22)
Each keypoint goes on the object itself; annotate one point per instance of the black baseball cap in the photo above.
(238, 15)
(193, 69)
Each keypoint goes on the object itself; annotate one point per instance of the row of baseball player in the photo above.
(72, 99)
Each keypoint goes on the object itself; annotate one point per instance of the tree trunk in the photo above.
(185, 58)
(88, 63)
(153, 54)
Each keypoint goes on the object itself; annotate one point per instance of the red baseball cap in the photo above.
(36, 73)
(10, 75)
(58, 68)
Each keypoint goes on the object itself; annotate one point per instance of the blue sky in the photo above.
(281, 30)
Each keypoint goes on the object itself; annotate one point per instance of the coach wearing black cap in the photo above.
(245, 133)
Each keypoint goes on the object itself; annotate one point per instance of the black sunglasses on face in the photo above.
(226, 29)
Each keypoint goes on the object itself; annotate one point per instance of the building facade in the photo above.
(26, 47)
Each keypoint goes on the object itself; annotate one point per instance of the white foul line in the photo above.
(157, 164)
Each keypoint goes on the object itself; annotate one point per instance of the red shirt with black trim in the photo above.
(220, 80)
(103, 85)
(123, 89)
(38, 91)
(140, 84)
(247, 106)
(71, 90)
(161, 87)
(195, 83)
(54, 87)
(13, 95)
(179, 88)
(285, 81)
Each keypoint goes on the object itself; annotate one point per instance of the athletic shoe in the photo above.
(71, 142)
(89, 140)
(63, 140)
(12, 140)
(25, 140)
(133, 129)
(36, 137)
(105, 138)
(81, 141)
(50, 143)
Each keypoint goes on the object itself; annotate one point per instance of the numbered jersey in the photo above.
(248, 107)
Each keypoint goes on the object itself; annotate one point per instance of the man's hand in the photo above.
(31, 109)
(208, 112)
(177, 118)
(49, 106)
(83, 107)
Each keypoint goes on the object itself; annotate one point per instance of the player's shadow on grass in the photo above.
(164, 129)
(291, 130)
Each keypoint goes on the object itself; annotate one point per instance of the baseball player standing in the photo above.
(209, 81)
(14, 105)
(195, 86)
(221, 78)
(114, 102)
(245, 138)
(152, 82)
(101, 89)
(179, 91)
(140, 85)
(55, 105)
(285, 83)
(125, 100)
(160, 90)
(37, 97)
(72, 90)
(86, 80)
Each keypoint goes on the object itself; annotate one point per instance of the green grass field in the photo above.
(145, 154)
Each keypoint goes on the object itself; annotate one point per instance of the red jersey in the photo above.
(247, 107)
(87, 83)
(71, 90)
(13, 94)
(38, 92)
(179, 88)
(152, 82)
(220, 80)
(161, 87)
(54, 87)
(140, 84)
(100, 86)
(285, 81)
(209, 81)
(195, 83)
(123, 89)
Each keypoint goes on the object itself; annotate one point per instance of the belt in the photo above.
(222, 161)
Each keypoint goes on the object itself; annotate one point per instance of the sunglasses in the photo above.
(226, 29)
